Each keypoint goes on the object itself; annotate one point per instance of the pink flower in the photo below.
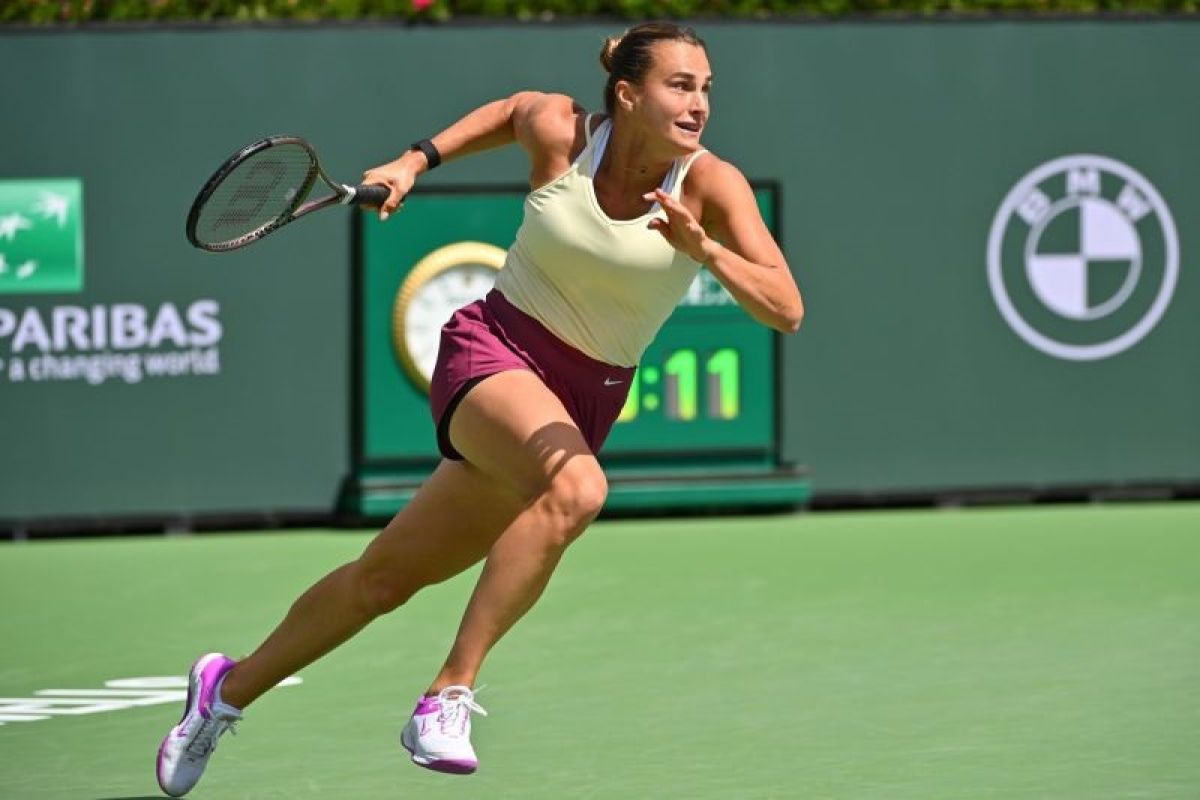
(421, 5)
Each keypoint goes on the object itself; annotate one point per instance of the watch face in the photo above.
(438, 285)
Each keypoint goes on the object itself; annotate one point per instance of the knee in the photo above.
(381, 590)
(575, 496)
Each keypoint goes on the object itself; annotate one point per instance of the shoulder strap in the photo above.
(592, 141)
(597, 145)
(679, 170)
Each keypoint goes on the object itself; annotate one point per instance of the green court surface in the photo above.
(1048, 652)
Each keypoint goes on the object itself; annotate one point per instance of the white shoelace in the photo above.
(205, 739)
(457, 709)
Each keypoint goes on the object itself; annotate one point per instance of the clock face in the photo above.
(441, 283)
(433, 303)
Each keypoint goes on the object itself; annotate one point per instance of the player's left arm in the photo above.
(733, 242)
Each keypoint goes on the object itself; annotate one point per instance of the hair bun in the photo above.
(606, 52)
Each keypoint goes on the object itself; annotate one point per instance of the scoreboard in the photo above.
(700, 427)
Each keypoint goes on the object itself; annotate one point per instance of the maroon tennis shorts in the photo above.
(492, 335)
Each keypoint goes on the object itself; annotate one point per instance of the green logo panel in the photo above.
(41, 236)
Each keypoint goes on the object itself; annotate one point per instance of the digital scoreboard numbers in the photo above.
(680, 381)
(703, 400)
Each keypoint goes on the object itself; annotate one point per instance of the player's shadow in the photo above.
(554, 445)
(138, 797)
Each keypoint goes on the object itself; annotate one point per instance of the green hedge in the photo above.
(55, 11)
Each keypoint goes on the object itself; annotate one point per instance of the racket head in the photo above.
(254, 192)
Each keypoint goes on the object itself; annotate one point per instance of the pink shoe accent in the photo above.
(428, 705)
(453, 767)
(210, 676)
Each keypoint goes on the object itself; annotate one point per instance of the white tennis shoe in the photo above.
(184, 754)
(439, 733)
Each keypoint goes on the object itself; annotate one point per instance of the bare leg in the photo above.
(512, 427)
(448, 526)
(516, 572)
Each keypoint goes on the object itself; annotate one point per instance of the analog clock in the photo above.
(442, 282)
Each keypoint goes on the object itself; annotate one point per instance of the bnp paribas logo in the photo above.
(1083, 257)
(41, 236)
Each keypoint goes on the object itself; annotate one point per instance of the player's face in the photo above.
(672, 101)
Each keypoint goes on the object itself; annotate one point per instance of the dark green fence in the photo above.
(993, 224)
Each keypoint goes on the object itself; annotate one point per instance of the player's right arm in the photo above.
(536, 120)
(549, 127)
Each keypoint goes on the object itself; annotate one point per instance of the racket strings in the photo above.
(257, 192)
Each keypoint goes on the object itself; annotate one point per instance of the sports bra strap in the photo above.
(597, 143)
(682, 166)
(591, 142)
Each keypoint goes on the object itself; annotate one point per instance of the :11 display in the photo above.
(685, 383)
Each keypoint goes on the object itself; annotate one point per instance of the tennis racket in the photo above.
(263, 187)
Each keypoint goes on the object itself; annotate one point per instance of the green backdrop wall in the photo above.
(895, 147)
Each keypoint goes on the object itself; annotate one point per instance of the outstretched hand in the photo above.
(682, 230)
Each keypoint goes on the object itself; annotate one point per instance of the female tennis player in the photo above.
(625, 208)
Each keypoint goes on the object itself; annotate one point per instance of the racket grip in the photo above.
(371, 194)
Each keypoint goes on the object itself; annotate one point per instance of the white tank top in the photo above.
(603, 286)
